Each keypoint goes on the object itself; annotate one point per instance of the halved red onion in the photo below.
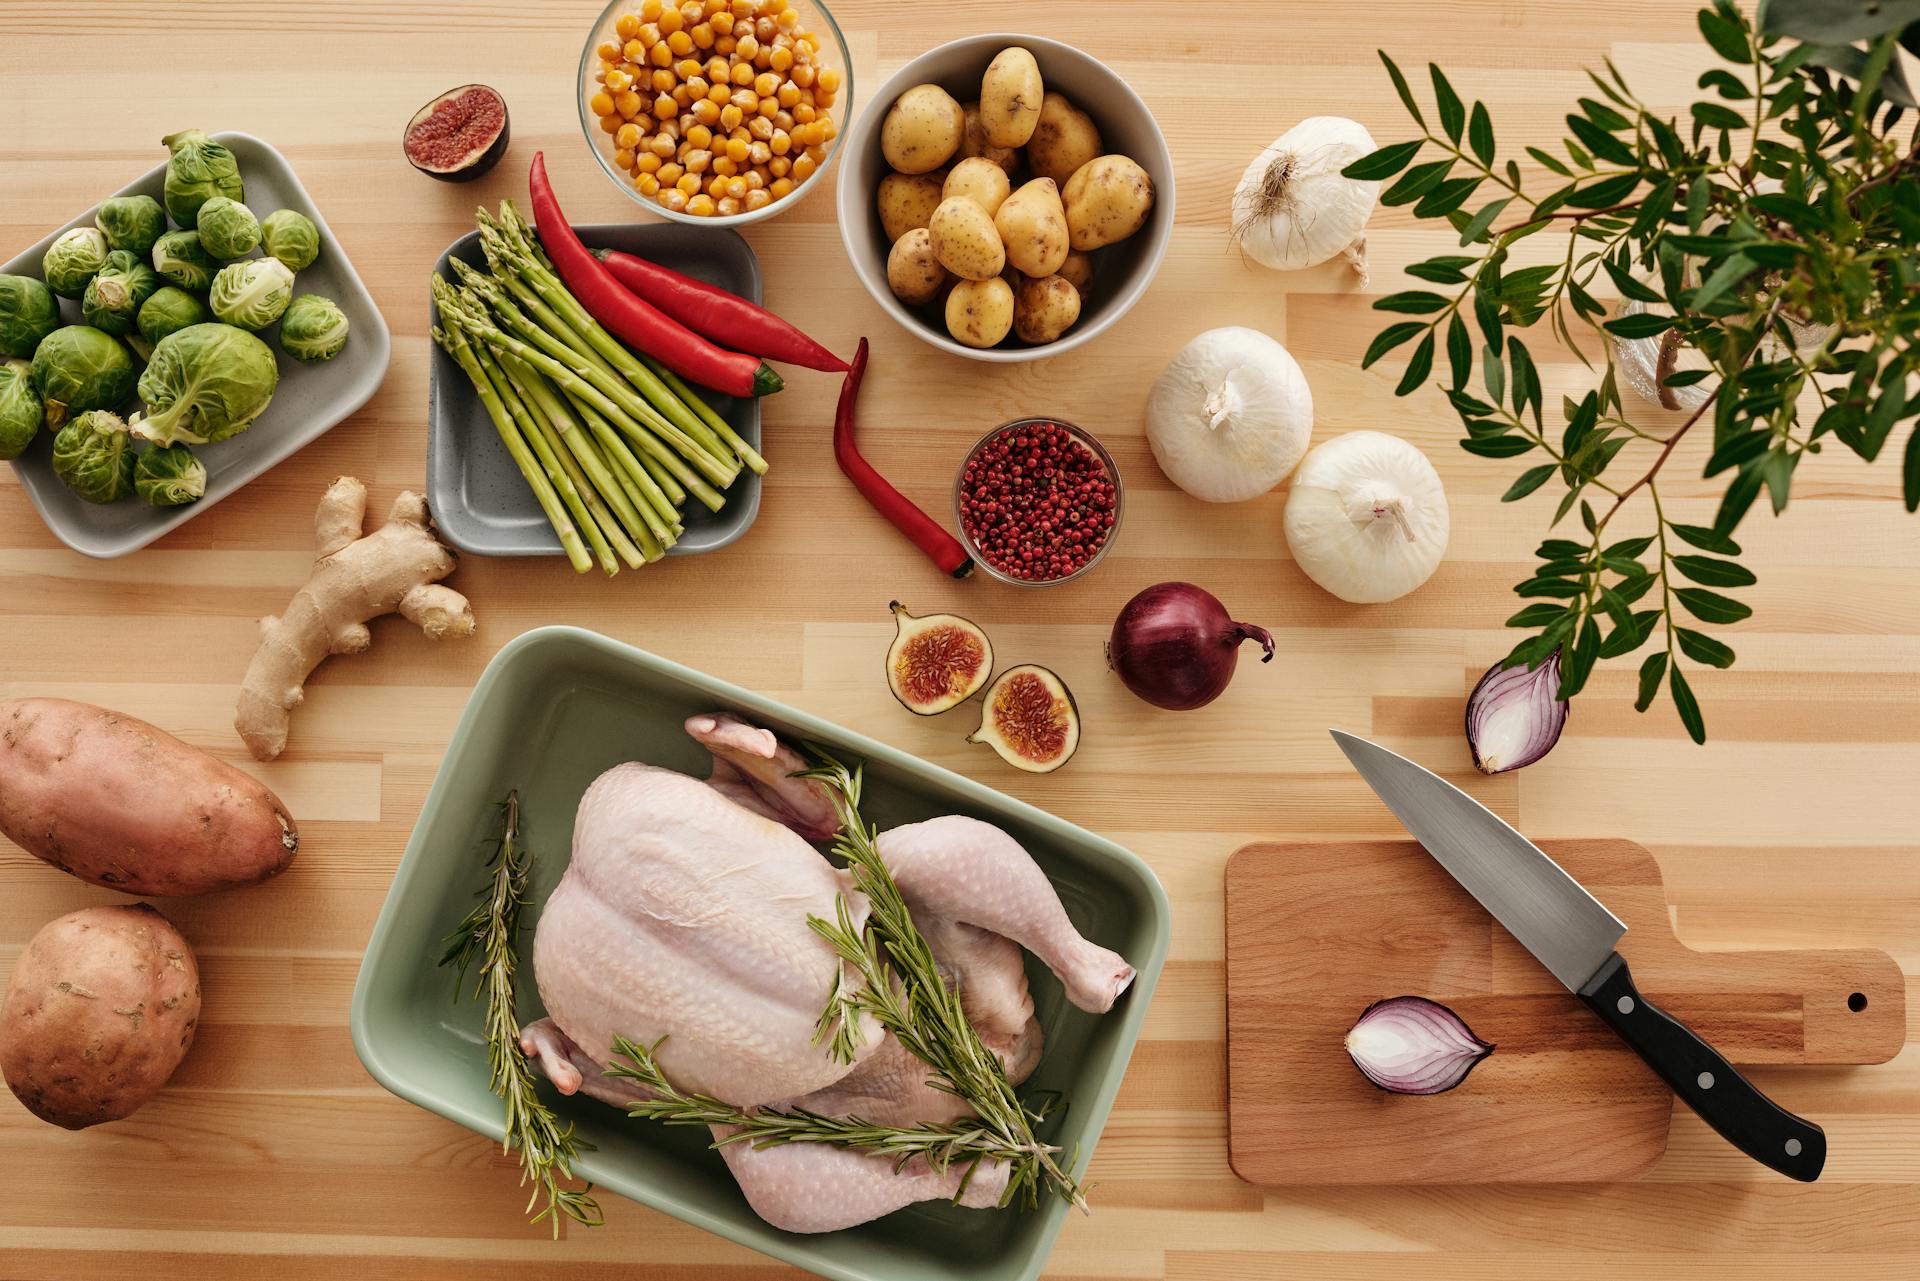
(1513, 718)
(1410, 1045)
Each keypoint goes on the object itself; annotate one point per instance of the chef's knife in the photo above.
(1570, 933)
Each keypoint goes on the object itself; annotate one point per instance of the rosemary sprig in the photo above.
(942, 1146)
(547, 1148)
(901, 986)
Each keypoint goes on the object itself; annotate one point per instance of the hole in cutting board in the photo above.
(1857, 1002)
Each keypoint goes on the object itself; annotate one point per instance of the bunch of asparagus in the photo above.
(611, 441)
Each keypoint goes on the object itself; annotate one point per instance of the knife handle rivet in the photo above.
(1793, 1147)
(1624, 1005)
(1705, 1080)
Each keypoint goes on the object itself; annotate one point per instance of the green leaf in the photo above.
(1446, 197)
(1650, 673)
(1389, 338)
(1715, 573)
(1711, 115)
(1538, 615)
(1625, 639)
(1413, 302)
(1699, 202)
(1459, 352)
(1530, 480)
(1731, 271)
(1499, 446)
(1416, 182)
(1645, 324)
(1526, 379)
(1654, 208)
(1603, 115)
(1447, 269)
(1726, 37)
(1400, 87)
(1688, 707)
(1577, 662)
(1707, 540)
(1910, 471)
(1494, 374)
(1385, 162)
(1453, 116)
(1418, 367)
(1711, 607)
(1740, 449)
(1486, 313)
(1549, 162)
(1830, 22)
(1735, 502)
(1630, 547)
(1560, 587)
(1638, 291)
(1476, 227)
(1600, 143)
(1480, 133)
(1605, 193)
(1702, 648)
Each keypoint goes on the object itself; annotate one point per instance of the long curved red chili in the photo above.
(708, 310)
(634, 321)
(944, 550)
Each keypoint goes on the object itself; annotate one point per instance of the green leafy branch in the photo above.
(1775, 235)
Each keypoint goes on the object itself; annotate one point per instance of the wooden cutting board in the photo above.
(1316, 933)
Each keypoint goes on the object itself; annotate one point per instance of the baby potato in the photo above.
(964, 239)
(1044, 309)
(1064, 139)
(907, 201)
(1077, 271)
(980, 180)
(1010, 96)
(973, 142)
(980, 312)
(1107, 199)
(921, 130)
(913, 273)
(1033, 228)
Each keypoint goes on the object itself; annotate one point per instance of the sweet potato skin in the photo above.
(101, 1009)
(117, 802)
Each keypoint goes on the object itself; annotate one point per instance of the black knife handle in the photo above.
(1706, 1082)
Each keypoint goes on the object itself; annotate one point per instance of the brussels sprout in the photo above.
(170, 477)
(72, 259)
(252, 294)
(28, 313)
(78, 368)
(131, 223)
(182, 260)
(94, 455)
(291, 237)
(313, 330)
(227, 228)
(169, 311)
(198, 170)
(19, 408)
(205, 383)
(113, 297)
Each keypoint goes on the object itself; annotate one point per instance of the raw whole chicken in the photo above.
(684, 915)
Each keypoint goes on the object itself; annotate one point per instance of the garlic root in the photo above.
(357, 577)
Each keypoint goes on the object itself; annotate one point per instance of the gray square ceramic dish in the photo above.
(555, 708)
(481, 503)
(309, 401)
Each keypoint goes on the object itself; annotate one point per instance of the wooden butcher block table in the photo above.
(273, 1154)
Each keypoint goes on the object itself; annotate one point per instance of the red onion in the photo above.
(1410, 1045)
(1174, 646)
(1514, 717)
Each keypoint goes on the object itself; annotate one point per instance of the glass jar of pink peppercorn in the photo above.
(1038, 502)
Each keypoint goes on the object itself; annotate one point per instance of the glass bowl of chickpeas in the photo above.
(715, 112)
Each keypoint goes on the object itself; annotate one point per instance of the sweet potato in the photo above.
(100, 1012)
(115, 801)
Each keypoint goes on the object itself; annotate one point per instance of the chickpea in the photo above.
(681, 43)
(748, 46)
(803, 75)
(681, 96)
(634, 51)
(601, 104)
(759, 198)
(608, 51)
(803, 167)
(662, 146)
(701, 205)
(737, 150)
(623, 158)
(759, 153)
(726, 206)
(724, 44)
(706, 111)
(627, 137)
(730, 117)
(737, 188)
(767, 110)
(703, 36)
(671, 20)
(783, 121)
(650, 10)
(717, 187)
(599, 75)
(780, 188)
(665, 108)
(609, 123)
(646, 184)
(675, 199)
(720, 93)
(756, 177)
(689, 183)
(781, 59)
(779, 166)
(722, 23)
(671, 174)
(697, 159)
(725, 166)
(803, 113)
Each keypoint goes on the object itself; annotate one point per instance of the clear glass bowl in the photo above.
(1086, 438)
(814, 17)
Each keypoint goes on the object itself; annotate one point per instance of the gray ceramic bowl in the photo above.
(1127, 127)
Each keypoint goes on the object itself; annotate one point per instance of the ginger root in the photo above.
(356, 578)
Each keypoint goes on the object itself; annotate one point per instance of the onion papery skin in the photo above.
(1514, 716)
(1413, 1045)
(1175, 646)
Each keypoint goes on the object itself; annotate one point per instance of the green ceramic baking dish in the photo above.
(557, 706)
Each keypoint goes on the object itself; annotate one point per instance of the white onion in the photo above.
(1230, 415)
(1366, 517)
(1293, 209)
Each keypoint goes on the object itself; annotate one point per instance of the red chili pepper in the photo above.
(937, 543)
(635, 322)
(727, 319)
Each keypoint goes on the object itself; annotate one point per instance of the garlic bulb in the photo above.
(1366, 517)
(1293, 209)
(1230, 415)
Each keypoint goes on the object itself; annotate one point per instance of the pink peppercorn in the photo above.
(1036, 502)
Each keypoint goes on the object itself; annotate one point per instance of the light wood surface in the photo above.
(275, 1155)
(1561, 1099)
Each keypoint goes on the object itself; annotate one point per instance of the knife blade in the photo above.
(1573, 935)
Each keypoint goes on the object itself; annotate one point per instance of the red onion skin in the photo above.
(1174, 646)
(1428, 1008)
(1518, 679)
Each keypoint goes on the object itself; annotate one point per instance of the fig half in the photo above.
(1031, 720)
(459, 135)
(936, 662)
